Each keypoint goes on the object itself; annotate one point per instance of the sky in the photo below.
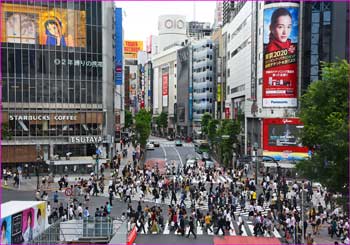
(140, 19)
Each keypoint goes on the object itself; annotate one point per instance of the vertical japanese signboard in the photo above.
(281, 31)
(118, 47)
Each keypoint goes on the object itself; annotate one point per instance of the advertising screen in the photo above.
(283, 135)
(281, 26)
(131, 48)
(43, 25)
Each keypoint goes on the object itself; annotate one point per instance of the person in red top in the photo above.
(280, 29)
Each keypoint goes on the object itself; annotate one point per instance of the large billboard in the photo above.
(182, 87)
(118, 73)
(24, 226)
(131, 48)
(43, 25)
(283, 135)
(281, 28)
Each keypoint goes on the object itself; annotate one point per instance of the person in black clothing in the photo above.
(173, 196)
(191, 224)
(182, 226)
(142, 224)
(110, 197)
(221, 225)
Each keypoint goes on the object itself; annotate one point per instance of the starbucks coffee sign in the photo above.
(85, 139)
(42, 117)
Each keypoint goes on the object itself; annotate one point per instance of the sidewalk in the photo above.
(30, 184)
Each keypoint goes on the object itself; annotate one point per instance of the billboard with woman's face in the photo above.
(281, 27)
(28, 219)
(6, 230)
(43, 25)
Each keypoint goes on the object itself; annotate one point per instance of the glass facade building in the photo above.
(53, 79)
(203, 78)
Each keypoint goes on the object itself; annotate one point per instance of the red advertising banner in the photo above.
(165, 79)
(281, 31)
(282, 134)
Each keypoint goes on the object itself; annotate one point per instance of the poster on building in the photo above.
(280, 80)
(16, 229)
(165, 89)
(42, 25)
(118, 63)
(282, 136)
(131, 48)
(6, 230)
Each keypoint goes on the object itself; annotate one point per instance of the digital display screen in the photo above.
(43, 25)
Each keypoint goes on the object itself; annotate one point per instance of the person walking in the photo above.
(191, 224)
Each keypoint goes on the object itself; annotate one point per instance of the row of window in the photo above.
(202, 69)
(203, 47)
(203, 90)
(51, 91)
(210, 100)
(203, 111)
(31, 63)
(208, 57)
(25, 128)
(237, 50)
(239, 28)
(204, 79)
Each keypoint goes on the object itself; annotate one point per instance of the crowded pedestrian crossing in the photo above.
(169, 229)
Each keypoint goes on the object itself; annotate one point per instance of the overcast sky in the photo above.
(140, 18)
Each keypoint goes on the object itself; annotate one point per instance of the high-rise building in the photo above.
(325, 34)
(218, 15)
(57, 84)
(203, 62)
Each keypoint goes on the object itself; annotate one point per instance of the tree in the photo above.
(128, 119)
(228, 131)
(163, 120)
(205, 123)
(212, 133)
(143, 126)
(324, 113)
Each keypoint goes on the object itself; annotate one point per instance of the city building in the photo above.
(164, 86)
(328, 39)
(184, 105)
(171, 31)
(198, 30)
(203, 68)
(219, 80)
(218, 15)
(57, 93)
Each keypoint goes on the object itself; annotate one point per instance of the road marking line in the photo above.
(276, 233)
(179, 156)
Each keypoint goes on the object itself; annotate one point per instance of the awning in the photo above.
(75, 162)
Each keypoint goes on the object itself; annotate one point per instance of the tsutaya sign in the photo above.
(46, 117)
(85, 139)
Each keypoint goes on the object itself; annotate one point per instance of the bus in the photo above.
(201, 146)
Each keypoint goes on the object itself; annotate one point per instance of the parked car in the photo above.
(155, 143)
(149, 146)
(178, 143)
(170, 138)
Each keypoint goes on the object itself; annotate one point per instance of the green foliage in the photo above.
(205, 123)
(230, 129)
(163, 120)
(324, 112)
(128, 119)
(143, 126)
(6, 133)
(212, 129)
